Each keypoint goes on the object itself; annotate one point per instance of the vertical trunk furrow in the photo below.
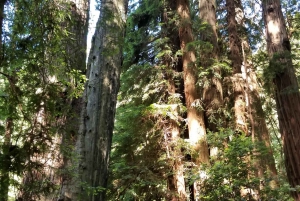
(101, 95)
(286, 88)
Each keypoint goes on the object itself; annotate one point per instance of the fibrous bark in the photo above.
(213, 92)
(236, 58)
(265, 162)
(195, 117)
(259, 131)
(53, 166)
(176, 183)
(100, 98)
(76, 49)
(248, 107)
(195, 114)
(286, 88)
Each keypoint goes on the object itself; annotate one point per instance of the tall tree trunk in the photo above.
(248, 108)
(98, 113)
(213, 93)
(195, 114)
(286, 88)
(265, 161)
(236, 58)
(76, 50)
(57, 168)
(176, 183)
(259, 129)
(4, 171)
(195, 117)
(239, 84)
(255, 115)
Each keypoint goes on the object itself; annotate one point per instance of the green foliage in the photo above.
(92, 190)
(38, 80)
(137, 157)
(233, 169)
(140, 165)
(139, 41)
(265, 76)
(236, 168)
(76, 86)
(139, 162)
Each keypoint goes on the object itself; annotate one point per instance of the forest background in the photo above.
(176, 100)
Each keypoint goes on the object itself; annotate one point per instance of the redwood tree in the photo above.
(282, 73)
(251, 105)
(212, 93)
(55, 124)
(176, 182)
(195, 113)
(195, 116)
(100, 97)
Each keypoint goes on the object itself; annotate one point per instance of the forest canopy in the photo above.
(178, 100)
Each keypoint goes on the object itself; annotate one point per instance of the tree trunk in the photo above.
(195, 117)
(248, 108)
(259, 129)
(176, 183)
(213, 92)
(236, 58)
(286, 88)
(4, 171)
(76, 50)
(98, 113)
(239, 84)
(265, 162)
(195, 114)
(52, 164)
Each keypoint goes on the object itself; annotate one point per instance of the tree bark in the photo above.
(195, 114)
(76, 50)
(98, 112)
(236, 58)
(176, 183)
(213, 92)
(286, 88)
(265, 162)
(248, 106)
(53, 164)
